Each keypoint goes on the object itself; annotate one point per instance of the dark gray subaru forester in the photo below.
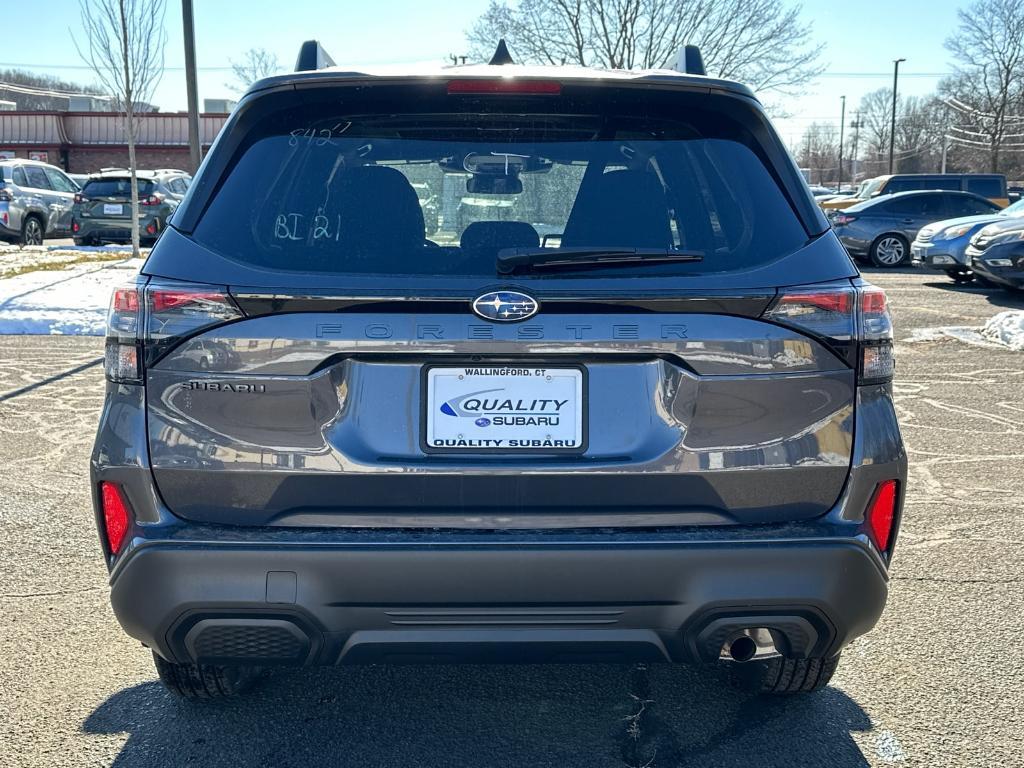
(631, 401)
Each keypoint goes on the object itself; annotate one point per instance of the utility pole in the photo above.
(892, 127)
(195, 151)
(842, 126)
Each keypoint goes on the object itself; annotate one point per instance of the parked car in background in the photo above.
(36, 200)
(880, 231)
(987, 185)
(942, 245)
(103, 209)
(996, 254)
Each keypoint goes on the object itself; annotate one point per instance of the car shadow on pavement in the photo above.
(997, 297)
(563, 715)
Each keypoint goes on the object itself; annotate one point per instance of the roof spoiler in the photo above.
(690, 61)
(312, 56)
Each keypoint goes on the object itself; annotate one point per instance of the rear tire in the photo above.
(32, 231)
(890, 251)
(204, 681)
(786, 676)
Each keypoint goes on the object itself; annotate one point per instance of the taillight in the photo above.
(881, 515)
(80, 198)
(75, 226)
(506, 86)
(827, 311)
(854, 321)
(116, 515)
(877, 360)
(843, 219)
(121, 357)
(146, 320)
(177, 310)
(155, 199)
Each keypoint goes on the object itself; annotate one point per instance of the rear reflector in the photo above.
(505, 86)
(881, 514)
(115, 515)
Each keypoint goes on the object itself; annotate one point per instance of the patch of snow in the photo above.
(72, 301)
(1006, 328)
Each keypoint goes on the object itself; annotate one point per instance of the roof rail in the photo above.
(312, 56)
(690, 61)
(501, 54)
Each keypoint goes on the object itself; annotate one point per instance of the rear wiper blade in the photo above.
(512, 259)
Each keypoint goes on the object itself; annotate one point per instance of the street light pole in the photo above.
(892, 127)
(842, 126)
(190, 84)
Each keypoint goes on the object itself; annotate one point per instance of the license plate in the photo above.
(113, 209)
(504, 409)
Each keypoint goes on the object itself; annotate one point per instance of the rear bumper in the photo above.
(117, 230)
(335, 600)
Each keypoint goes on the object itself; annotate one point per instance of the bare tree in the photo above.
(818, 152)
(124, 46)
(760, 42)
(256, 63)
(988, 47)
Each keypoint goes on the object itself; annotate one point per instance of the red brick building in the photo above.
(84, 142)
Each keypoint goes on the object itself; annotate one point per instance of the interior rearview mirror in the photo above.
(494, 184)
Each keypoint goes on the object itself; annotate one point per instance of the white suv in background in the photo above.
(35, 201)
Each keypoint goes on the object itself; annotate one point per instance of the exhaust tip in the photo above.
(749, 644)
(742, 649)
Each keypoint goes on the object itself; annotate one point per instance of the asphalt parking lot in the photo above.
(940, 682)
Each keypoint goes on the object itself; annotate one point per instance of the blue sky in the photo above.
(861, 40)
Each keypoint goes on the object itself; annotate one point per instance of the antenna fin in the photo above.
(501, 54)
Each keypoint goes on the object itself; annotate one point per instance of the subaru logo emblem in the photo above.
(505, 306)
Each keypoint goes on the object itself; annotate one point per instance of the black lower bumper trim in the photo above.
(510, 602)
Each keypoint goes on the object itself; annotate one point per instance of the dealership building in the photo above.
(84, 142)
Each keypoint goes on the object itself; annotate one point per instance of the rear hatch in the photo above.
(626, 341)
(111, 197)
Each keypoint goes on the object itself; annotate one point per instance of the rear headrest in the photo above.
(620, 208)
(378, 209)
(492, 236)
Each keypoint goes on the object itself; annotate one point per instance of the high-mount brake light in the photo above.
(881, 515)
(505, 86)
(116, 515)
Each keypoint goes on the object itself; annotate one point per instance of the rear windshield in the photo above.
(322, 188)
(115, 187)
